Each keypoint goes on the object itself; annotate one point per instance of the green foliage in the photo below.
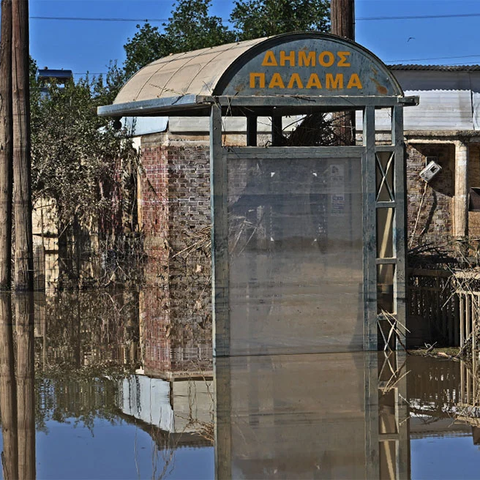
(262, 18)
(190, 27)
(75, 153)
(146, 46)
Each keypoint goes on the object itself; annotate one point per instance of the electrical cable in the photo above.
(160, 20)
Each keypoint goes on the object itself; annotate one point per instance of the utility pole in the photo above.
(22, 197)
(342, 19)
(6, 179)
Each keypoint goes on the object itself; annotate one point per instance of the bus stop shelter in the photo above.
(308, 242)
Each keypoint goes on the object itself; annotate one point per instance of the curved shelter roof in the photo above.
(296, 66)
(194, 73)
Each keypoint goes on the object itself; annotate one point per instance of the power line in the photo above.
(161, 20)
(419, 17)
(431, 58)
(91, 19)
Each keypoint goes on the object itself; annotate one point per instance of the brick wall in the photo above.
(430, 220)
(174, 211)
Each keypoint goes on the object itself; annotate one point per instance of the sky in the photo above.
(435, 32)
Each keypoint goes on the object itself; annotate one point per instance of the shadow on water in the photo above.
(123, 390)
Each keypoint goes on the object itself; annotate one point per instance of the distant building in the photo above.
(46, 78)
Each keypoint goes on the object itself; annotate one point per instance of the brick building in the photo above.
(444, 128)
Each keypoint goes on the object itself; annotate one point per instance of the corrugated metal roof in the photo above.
(250, 69)
(437, 68)
(194, 72)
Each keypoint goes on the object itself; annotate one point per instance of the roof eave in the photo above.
(154, 107)
(199, 105)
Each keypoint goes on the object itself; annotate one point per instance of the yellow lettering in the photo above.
(269, 60)
(287, 58)
(257, 76)
(334, 83)
(305, 60)
(326, 59)
(276, 81)
(355, 82)
(343, 59)
(314, 81)
(295, 78)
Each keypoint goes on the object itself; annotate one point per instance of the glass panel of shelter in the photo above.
(271, 191)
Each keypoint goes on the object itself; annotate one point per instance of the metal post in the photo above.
(252, 131)
(220, 270)
(370, 341)
(460, 223)
(277, 127)
(399, 231)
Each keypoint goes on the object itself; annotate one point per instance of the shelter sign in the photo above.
(326, 66)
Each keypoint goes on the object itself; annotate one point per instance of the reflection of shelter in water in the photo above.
(305, 416)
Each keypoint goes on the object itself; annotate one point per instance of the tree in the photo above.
(189, 28)
(80, 164)
(262, 18)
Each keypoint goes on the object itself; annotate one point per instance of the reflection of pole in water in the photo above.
(25, 385)
(8, 391)
(17, 387)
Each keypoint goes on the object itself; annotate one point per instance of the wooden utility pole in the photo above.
(6, 146)
(22, 197)
(342, 19)
(8, 388)
(25, 376)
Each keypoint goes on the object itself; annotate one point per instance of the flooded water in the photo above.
(105, 385)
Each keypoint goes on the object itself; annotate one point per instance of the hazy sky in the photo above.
(89, 45)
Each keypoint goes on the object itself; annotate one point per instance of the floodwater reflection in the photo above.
(124, 390)
(17, 397)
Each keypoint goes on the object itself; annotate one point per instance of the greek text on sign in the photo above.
(289, 80)
(311, 65)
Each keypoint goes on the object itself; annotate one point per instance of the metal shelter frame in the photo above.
(377, 176)
(373, 178)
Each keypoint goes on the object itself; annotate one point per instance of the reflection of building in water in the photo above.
(311, 416)
(78, 329)
(86, 340)
(444, 398)
(181, 409)
(175, 342)
(172, 392)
